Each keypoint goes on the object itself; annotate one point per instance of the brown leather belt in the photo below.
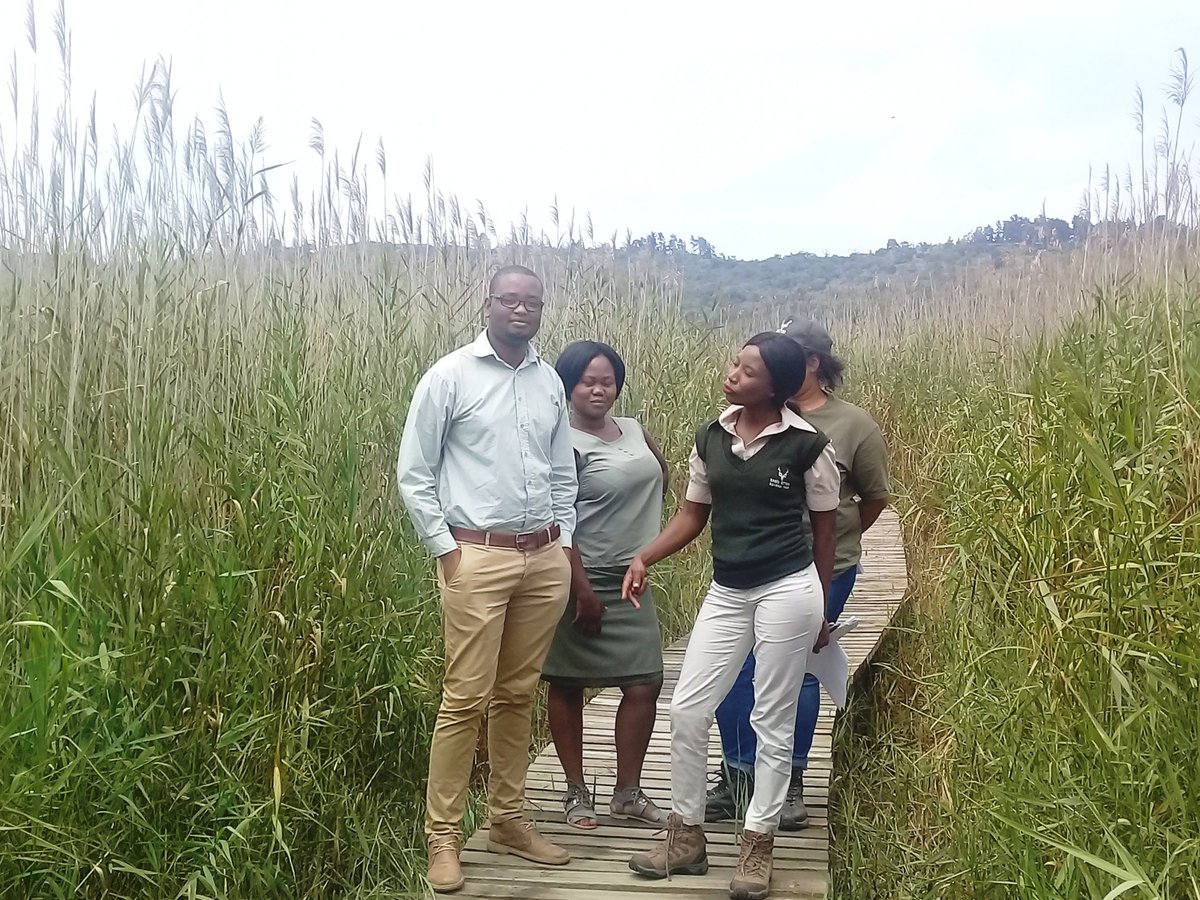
(530, 540)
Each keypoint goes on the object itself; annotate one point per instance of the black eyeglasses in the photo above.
(529, 303)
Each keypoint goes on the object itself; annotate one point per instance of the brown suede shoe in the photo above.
(752, 877)
(520, 837)
(445, 873)
(684, 851)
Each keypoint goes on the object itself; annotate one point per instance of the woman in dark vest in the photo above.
(863, 467)
(755, 469)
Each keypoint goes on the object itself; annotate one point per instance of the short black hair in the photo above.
(786, 362)
(511, 270)
(576, 357)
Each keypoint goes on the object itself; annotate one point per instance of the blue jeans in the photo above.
(738, 742)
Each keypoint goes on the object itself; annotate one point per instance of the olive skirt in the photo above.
(627, 651)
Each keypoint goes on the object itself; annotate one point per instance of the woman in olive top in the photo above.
(757, 469)
(602, 640)
(864, 492)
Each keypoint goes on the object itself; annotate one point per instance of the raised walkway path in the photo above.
(598, 868)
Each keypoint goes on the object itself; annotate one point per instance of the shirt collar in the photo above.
(728, 419)
(482, 347)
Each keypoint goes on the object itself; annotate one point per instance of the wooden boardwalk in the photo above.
(598, 868)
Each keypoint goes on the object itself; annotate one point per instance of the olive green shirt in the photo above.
(862, 464)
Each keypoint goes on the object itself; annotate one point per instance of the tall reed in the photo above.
(220, 639)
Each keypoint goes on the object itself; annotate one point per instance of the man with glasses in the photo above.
(487, 474)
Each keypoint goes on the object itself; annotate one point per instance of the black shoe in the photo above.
(794, 816)
(730, 796)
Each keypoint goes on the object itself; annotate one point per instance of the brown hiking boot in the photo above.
(682, 852)
(520, 837)
(445, 873)
(752, 877)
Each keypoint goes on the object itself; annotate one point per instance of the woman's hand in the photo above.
(822, 636)
(589, 611)
(634, 582)
(685, 526)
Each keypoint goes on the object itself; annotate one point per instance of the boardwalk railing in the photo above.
(598, 868)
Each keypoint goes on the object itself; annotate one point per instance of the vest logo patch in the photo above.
(781, 479)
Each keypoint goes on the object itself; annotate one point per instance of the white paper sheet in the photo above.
(831, 666)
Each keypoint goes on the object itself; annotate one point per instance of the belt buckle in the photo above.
(521, 539)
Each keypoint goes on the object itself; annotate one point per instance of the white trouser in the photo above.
(780, 622)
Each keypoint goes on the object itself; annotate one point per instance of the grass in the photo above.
(219, 640)
(1029, 737)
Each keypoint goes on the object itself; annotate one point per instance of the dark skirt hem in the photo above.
(604, 682)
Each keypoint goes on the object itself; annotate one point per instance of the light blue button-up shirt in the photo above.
(488, 447)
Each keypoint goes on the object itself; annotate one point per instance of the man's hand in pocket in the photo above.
(449, 563)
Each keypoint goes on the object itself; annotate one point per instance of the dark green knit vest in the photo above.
(758, 505)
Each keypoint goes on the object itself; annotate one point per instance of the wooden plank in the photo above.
(598, 869)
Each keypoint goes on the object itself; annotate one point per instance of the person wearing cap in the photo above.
(755, 471)
(487, 474)
(863, 494)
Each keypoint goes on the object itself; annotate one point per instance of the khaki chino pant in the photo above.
(499, 613)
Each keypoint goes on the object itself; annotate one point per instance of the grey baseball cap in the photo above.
(810, 333)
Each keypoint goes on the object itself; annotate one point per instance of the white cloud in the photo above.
(767, 127)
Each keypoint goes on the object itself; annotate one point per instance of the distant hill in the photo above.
(711, 278)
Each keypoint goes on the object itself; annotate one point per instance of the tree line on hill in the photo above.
(711, 277)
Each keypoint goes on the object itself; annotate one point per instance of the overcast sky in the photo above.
(765, 127)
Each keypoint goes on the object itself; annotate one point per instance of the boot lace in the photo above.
(721, 786)
(674, 826)
(526, 825)
(752, 859)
